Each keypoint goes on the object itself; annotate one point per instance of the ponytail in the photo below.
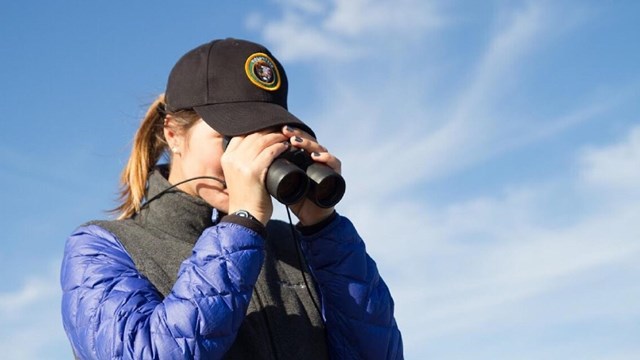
(149, 145)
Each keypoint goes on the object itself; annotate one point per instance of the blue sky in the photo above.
(491, 151)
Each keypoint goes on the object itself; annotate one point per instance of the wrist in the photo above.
(316, 217)
(244, 218)
(307, 230)
(260, 215)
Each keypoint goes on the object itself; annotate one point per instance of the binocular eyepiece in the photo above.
(294, 175)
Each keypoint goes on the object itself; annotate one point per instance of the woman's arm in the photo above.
(356, 303)
(111, 311)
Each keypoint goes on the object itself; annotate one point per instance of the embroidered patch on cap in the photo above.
(262, 71)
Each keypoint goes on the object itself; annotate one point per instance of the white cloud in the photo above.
(32, 291)
(615, 167)
(401, 17)
(33, 312)
(294, 39)
(409, 139)
(461, 268)
(304, 6)
(312, 30)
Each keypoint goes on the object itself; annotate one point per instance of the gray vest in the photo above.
(282, 321)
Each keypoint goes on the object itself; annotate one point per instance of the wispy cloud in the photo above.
(472, 127)
(342, 29)
(479, 263)
(32, 311)
(13, 303)
(357, 18)
(616, 167)
(462, 267)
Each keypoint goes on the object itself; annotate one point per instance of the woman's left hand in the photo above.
(307, 212)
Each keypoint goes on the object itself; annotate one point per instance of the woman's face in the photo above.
(198, 154)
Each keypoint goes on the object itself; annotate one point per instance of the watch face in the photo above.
(243, 213)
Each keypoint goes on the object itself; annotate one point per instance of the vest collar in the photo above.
(175, 212)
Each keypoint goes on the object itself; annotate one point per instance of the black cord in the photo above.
(298, 253)
(293, 231)
(224, 184)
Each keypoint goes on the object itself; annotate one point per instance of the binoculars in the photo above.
(294, 175)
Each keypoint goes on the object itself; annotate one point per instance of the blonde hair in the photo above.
(149, 145)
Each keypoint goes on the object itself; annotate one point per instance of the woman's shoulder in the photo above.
(94, 235)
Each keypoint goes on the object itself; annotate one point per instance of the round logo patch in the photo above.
(262, 71)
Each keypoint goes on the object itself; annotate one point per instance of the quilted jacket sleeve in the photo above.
(110, 311)
(356, 304)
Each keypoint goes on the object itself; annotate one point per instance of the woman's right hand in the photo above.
(245, 163)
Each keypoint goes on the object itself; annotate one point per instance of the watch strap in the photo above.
(244, 218)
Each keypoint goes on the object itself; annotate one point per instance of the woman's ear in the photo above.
(172, 136)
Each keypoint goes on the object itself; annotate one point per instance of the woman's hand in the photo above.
(307, 212)
(245, 163)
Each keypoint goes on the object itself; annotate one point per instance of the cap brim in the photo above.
(240, 118)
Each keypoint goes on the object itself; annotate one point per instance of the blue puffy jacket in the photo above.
(111, 311)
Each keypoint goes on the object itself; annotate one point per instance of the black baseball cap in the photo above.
(236, 86)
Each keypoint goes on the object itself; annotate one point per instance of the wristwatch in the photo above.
(245, 214)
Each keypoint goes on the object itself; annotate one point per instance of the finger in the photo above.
(291, 131)
(254, 143)
(327, 159)
(243, 151)
(261, 148)
(266, 157)
(234, 142)
(308, 144)
(302, 139)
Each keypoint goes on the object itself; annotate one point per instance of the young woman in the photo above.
(193, 267)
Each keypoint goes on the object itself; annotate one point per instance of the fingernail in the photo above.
(289, 128)
(297, 139)
(315, 154)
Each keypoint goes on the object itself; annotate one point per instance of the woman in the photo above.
(194, 267)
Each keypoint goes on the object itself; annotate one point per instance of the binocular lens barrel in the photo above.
(286, 182)
(326, 186)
